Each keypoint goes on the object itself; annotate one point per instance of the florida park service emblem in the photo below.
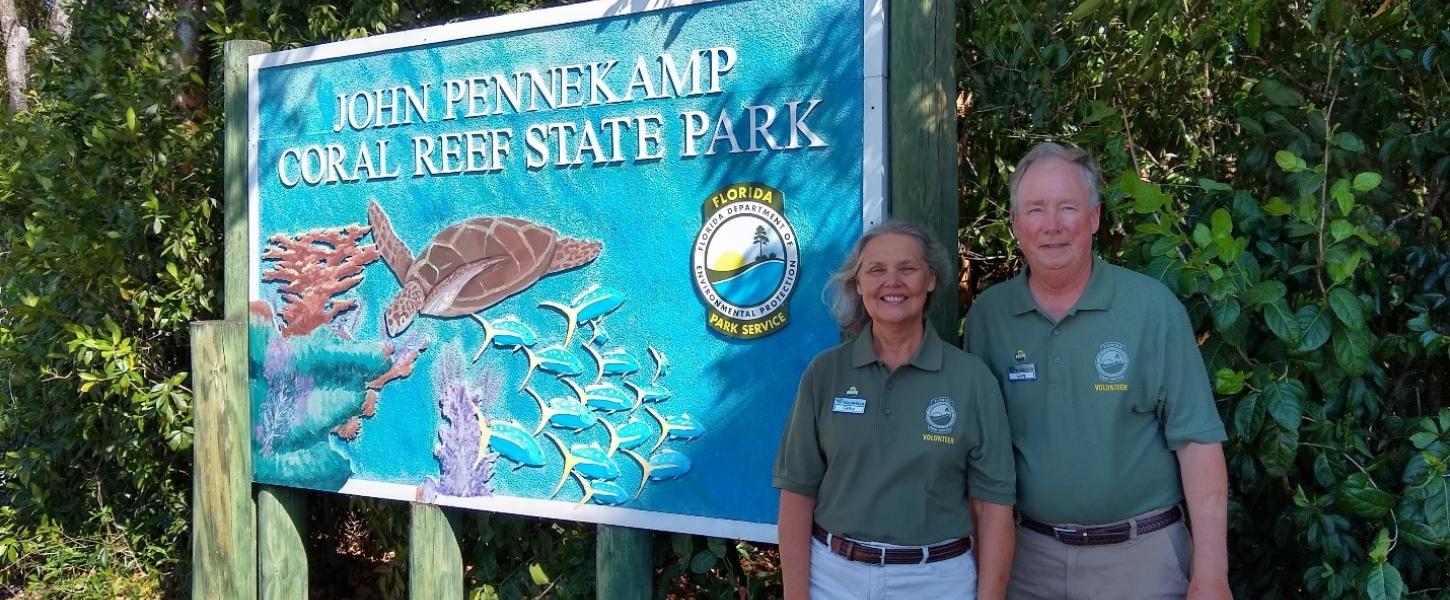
(1112, 362)
(745, 260)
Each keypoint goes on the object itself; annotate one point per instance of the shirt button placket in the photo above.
(1054, 375)
(889, 387)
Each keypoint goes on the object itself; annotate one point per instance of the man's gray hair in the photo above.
(1092, 176)
(840, 293)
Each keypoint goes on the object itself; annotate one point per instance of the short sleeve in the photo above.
(1189, 412)
(799, 464)
(991, 466)
(975, 340)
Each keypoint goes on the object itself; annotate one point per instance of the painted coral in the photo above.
(313, 268)
(313, 384)
(462, 403)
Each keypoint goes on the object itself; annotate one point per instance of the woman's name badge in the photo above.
(854, 406)
(1023, 372)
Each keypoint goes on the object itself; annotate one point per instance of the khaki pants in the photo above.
(1146, 567)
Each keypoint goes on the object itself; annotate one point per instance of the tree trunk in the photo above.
(17, 65)
(188, 53)
(58, 21)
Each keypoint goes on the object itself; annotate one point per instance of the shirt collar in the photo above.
(1097, 296)
(927, 357)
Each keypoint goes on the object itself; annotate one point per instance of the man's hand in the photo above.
(1209, 587)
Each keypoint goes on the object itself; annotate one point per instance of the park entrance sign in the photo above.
(565, 263)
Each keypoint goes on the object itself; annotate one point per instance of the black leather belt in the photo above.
(876, 555)
(1103, 535)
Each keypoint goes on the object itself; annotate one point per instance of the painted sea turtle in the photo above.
(471, 265)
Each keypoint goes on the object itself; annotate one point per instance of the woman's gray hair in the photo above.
(1092, 176)
(840, 293)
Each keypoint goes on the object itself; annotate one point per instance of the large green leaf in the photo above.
(1349, 141)
(1214, 186)
(1148, 199)
(703, 562)
(1277, 448)
(1283, 322)
(1352, 350)
(1340, 229)
(1285, 402)
(1360, 497)
(1315, 323)
(1342, 196)
(1418, 533)
(1248, 415)
(1289, 162)
(1347, 307)
(1276, 206)
(1434, 498)
(1382, 582)
(1264, 293)
(1342, 264)
(1280, 94)
(1202, 236)
(1222, 223)
(1084, 10)
(1225, 312)
(1366, 181)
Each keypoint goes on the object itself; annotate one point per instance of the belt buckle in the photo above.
(855, 545)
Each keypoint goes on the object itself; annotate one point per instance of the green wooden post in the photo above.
(281, 512)
(623, 567)
(922, 168)
(281, 552)
(234, 177)
(435, 563)
(223, 554)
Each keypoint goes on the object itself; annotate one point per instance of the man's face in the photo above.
(1054, 220)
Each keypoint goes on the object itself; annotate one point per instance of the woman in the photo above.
(890, 435)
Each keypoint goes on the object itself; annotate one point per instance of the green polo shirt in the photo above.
(891, 456)
(1099, 400)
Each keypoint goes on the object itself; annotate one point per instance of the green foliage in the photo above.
(108, 238)
(1283, 168)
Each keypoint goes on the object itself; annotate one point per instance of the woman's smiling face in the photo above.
(894, 279)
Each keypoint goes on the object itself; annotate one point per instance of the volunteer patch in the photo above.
(1112, 362)
(941, 415)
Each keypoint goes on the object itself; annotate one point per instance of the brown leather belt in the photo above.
(876, 555)
(1116, 533)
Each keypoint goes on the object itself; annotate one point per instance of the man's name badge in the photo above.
(854, 406)
(1023, 372)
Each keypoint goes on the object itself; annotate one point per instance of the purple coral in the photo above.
(287, 394)
(462, 403)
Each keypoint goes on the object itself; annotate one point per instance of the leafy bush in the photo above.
(108, 232)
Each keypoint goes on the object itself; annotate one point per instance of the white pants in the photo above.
(833, 577)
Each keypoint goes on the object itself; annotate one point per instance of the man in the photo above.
(1113, 421)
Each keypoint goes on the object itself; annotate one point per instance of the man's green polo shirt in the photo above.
(891, 456)
(1099, 400)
